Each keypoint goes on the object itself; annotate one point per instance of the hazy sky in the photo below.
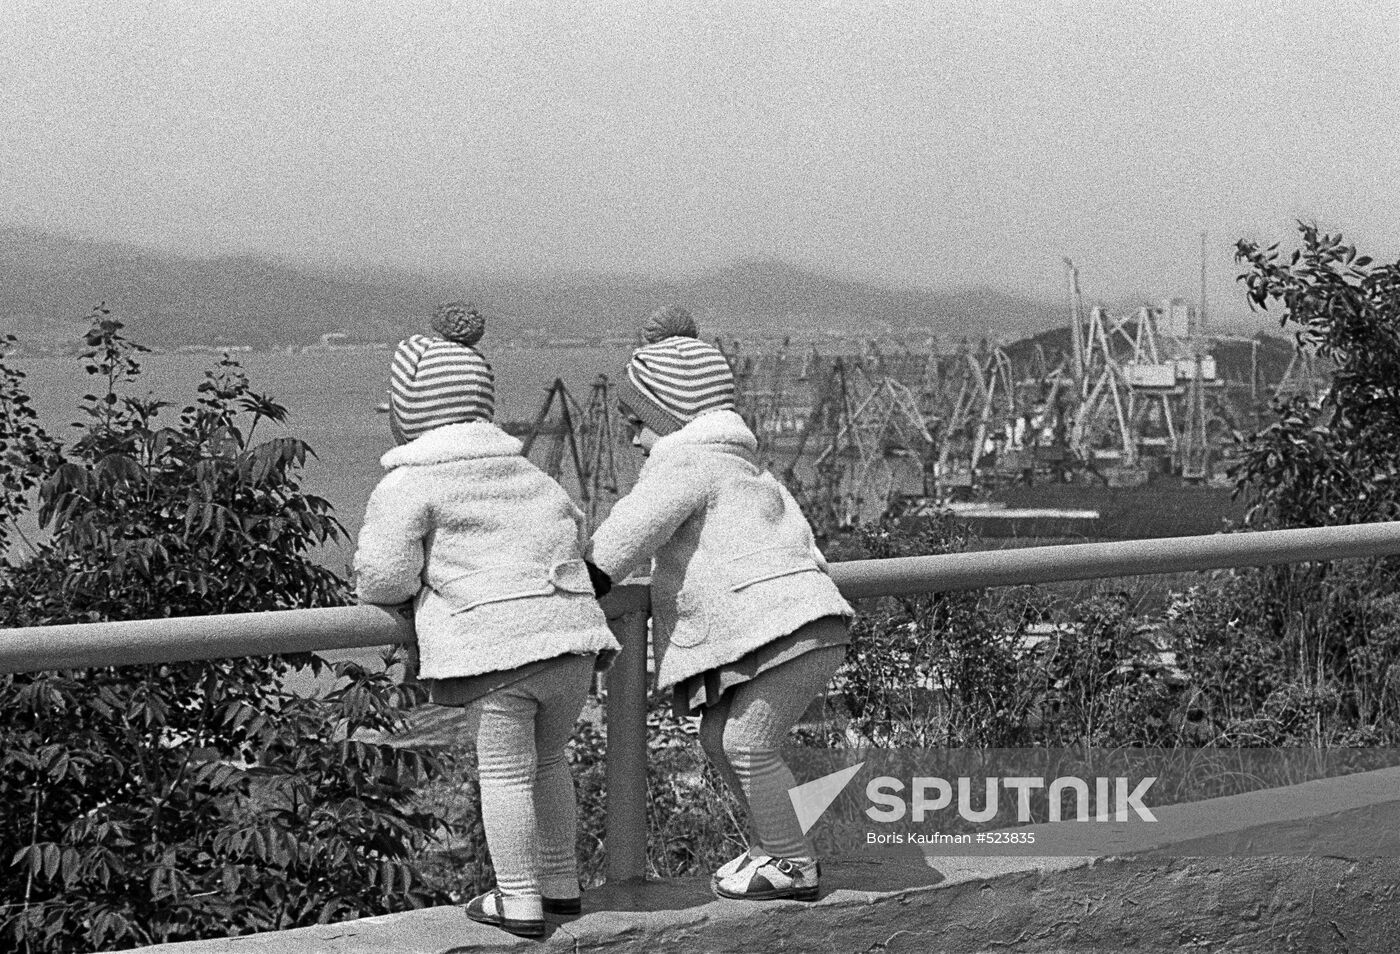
(923, 142)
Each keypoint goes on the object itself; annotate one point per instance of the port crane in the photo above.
(576, 445)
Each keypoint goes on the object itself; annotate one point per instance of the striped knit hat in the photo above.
(439, 380)
(675, 379)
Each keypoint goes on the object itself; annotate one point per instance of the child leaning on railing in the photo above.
(489, 549)
(748, 627)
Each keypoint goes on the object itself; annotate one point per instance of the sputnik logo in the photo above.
(812, 798)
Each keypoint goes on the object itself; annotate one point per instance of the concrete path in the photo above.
(1244, 887)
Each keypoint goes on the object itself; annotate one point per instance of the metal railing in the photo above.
(628, 606)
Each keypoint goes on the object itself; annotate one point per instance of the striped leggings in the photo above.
(528, 807)
(742, 735)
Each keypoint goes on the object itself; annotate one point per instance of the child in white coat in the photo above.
(489, 549)
(747, 626)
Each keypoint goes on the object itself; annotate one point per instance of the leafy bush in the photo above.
(1104, 679)
(143, 804)
(967, 668)
(1332, 461)
(1230, 659)
(939, 669)
(1305, 655)
(153, 521)
(26, 450)
(1337, 460)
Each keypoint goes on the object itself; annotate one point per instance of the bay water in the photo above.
(331, 396)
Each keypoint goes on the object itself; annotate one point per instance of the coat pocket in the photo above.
(692, 627)
(769, 563)
(513, 581)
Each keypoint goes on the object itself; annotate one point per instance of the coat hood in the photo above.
(465, 441)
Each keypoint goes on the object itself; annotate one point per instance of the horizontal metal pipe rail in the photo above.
(186, 638)
(293, 631)
(901, 576)
(349, 627)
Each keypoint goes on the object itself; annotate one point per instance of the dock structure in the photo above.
(865, 428)
(1112, 399)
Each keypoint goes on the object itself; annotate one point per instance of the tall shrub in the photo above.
(1308, 653)
(143, 804)
(1337, 460)
(941, 669)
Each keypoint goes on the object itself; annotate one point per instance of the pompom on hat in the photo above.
(669, 322)
(441, 379)
(459, 321)
(675, 377)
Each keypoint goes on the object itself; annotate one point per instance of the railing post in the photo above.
(628, 608)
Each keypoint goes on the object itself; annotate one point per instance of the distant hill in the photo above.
(49, 284)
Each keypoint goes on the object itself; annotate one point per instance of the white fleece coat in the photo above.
(734, 564)
(489, 549)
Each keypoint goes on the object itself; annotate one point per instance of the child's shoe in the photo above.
(733, 866)
(563, 905)
(523, 917)
(772, 879)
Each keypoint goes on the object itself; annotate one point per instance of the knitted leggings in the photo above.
(527, 794)
(742, 735)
